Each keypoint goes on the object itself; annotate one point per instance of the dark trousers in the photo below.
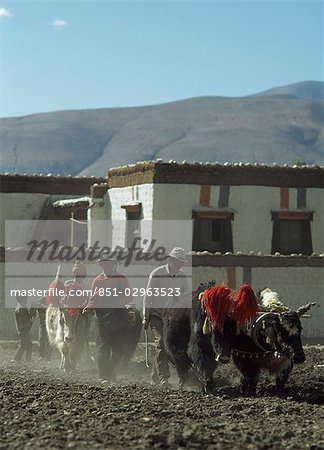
(109, 351)
(82, 331)
(25, 346)
(160, 364)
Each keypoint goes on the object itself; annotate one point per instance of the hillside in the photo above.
(262, 128)
(310, 90)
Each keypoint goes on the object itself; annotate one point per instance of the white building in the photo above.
(34, 198)
(253, 224)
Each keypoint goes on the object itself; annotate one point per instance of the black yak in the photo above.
(261, 339)
(189, 344)
(273, 344)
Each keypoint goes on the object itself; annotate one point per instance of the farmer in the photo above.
(166, 278)
(110, 295)
(24, 320)
(76, 291)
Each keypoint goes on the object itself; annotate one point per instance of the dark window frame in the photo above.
(285, 225)
(220, 219)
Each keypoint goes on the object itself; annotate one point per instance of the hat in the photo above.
(179, 254)
(103, 258)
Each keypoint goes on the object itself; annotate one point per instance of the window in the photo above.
(132, 227)
(213, 231)
(133, 217)
(292, 233)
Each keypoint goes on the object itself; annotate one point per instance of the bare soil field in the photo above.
(41, 407)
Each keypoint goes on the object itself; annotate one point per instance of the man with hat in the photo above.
(110, 295)
(77, 292)
(170, 279)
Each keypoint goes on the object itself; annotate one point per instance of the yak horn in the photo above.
(206, 329)
(303, 309)
(258, 324)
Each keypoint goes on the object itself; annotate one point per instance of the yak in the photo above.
(273, 344)
(186, 342)
(264, 338)
(225, 323)
(67, 330)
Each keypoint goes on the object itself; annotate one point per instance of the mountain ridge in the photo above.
(259, 128)
(309, 90)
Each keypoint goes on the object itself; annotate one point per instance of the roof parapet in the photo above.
(200, 173)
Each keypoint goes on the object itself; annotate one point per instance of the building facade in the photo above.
(34, 198)
(235, 208)
(254, 224)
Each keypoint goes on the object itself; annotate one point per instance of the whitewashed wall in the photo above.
(19, 206)
(295, 286)
(131, 194)
(23, 206)
(126, 196)
(252, 225)
(175, 201)
(98, 215)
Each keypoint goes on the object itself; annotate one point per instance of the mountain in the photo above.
(310, 90)
(262, 128)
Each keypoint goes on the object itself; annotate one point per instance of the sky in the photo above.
(70, 54)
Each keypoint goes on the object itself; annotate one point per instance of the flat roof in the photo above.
(72, 202)
(159, 172)
(238, 174)
(48, 184)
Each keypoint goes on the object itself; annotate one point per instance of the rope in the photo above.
(251, 355)
(79, 221)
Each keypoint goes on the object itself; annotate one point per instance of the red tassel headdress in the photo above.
(218, 303)
(246, 305)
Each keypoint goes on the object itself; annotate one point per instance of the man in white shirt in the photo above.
(165, 285)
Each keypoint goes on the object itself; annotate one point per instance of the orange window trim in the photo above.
(132, 208)
(290, 215)
(284, 198)
(204, 199)
(214, 214)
